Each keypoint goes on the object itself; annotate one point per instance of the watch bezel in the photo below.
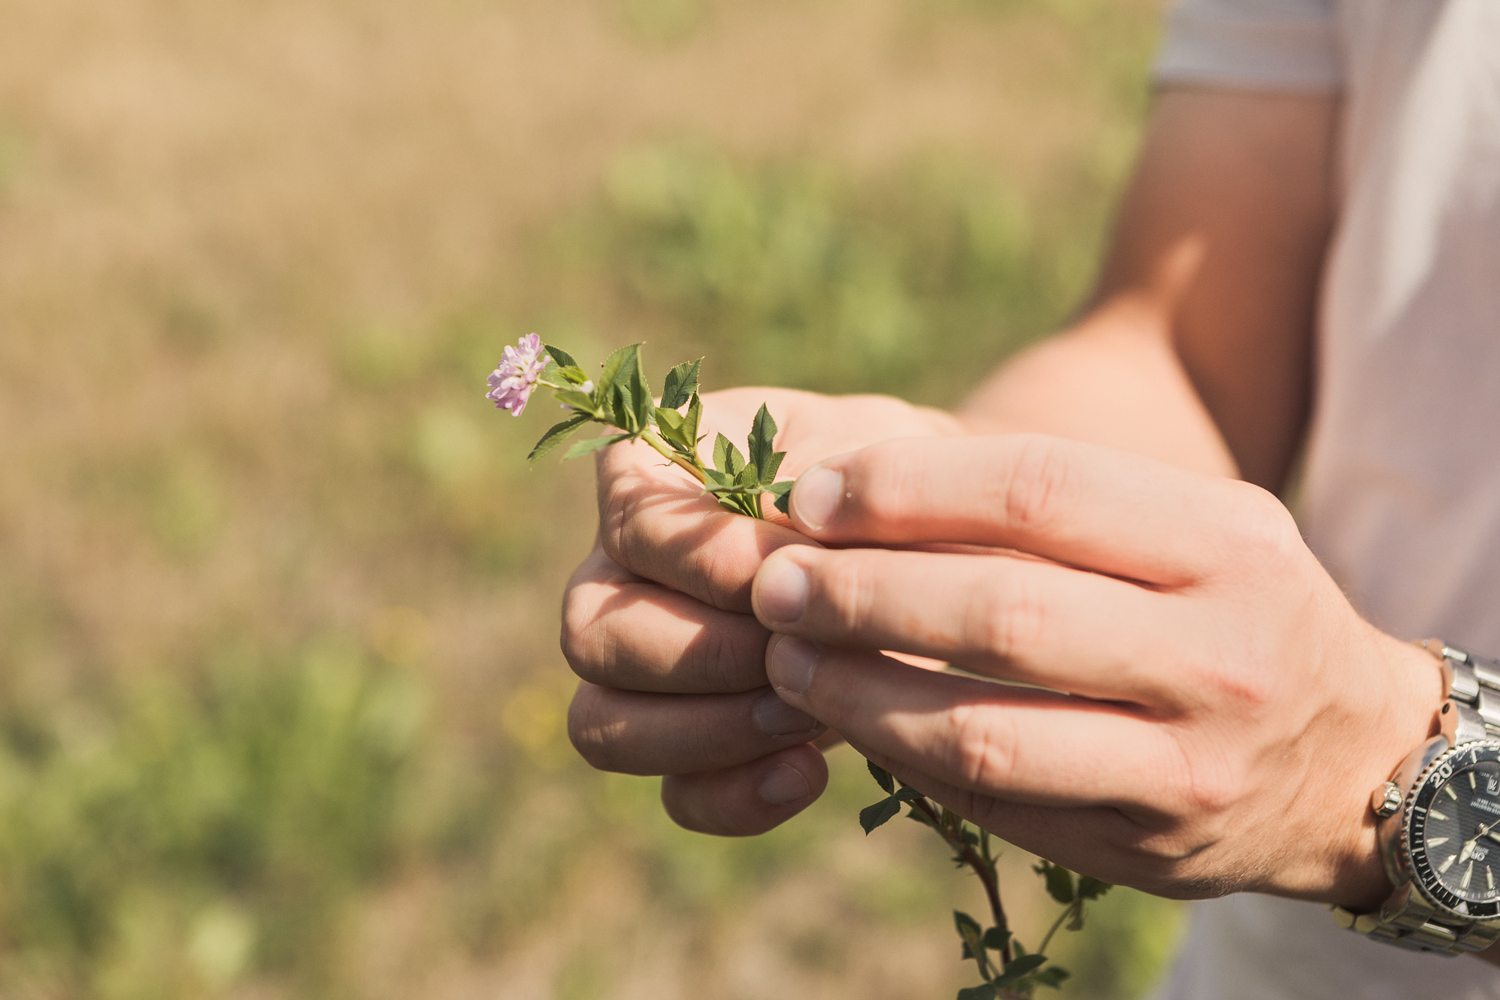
(1433, 777)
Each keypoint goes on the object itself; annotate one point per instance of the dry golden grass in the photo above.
(255, 259)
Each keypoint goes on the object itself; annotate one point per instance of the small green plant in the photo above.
(1014, 972)
(621, 400)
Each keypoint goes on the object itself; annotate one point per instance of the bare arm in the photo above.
(1197, 345)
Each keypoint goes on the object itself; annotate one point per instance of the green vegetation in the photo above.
(281, 708)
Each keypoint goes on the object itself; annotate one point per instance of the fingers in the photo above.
(657, 523)
(624, 632)
(637, 733)
(1075, 503)
(1019, 744)
(750, 798)
(1022, 619)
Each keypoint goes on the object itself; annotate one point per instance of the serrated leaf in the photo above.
(593, 444)
(879, 814)
(782, 491)
(1018, 968)
(556, 435)
(906, 794)
(640, 391)
(622, 403)
(691, 421)
(1092, 888)
(882, 777)
(577, 400)
(768, 472)
(717, 481)
(760, 444)
(562, 357)
(727, 457)
(615, 363)
(1059, 882)
(681, 384)
(996, 939)
(983, 991)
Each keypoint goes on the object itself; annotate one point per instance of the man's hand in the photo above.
(1204, 711)
(657, 621)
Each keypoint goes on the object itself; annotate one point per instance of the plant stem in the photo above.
(984, 870)
(1056, 924)
(681, 461)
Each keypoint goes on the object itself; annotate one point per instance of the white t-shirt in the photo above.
(1401, 497)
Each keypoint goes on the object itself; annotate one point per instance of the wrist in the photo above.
(1410, 693)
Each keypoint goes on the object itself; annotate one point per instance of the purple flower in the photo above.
(512, 382)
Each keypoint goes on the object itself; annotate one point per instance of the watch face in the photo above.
(1453, 831)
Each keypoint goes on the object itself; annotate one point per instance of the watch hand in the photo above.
(1468, 849)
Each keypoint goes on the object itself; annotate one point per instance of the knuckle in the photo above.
(899, 479)
(1039, 474)
(590, 726)
(616, 506)
(1006, 620)
(845, 587)
(1265, 533)
(983, 747)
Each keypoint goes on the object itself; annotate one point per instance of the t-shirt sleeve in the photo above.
(1287, 45)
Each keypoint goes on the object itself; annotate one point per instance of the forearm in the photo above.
(1112, 379)
(1197, 348)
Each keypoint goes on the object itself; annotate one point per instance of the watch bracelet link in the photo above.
(1407, 920)
(1473, 683)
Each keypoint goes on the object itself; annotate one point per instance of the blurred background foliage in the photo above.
(281, 709)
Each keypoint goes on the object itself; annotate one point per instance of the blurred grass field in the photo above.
(281, 705)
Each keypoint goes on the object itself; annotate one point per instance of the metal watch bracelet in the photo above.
(1408, 919)
(1474, 683)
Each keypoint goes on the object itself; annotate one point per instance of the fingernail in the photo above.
(790, 663)
(775, 717)
(817, 495)
(781, 591)
(784, 784)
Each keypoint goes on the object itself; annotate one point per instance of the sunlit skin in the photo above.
(1230, 710)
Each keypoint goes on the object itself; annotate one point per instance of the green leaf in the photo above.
(782, 491)
(1016, 968)
(640, 389)
(690, 423)
(577, 400)
(768, 472)
(556, 435)
(996, 939)
(968, 927)
(681, 384)
(622, 402)
(1059, 881)
(908, 795)
(983, 991)
(1052, 975)
(593, 444)
(762, 435)
(562, 357)
(717, 481)
(615, 364)
(1092, 888)
(727, 457)
(877, 815)
(882, 777)
(670, 422)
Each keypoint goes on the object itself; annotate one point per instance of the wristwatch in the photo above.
(1439, 828)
